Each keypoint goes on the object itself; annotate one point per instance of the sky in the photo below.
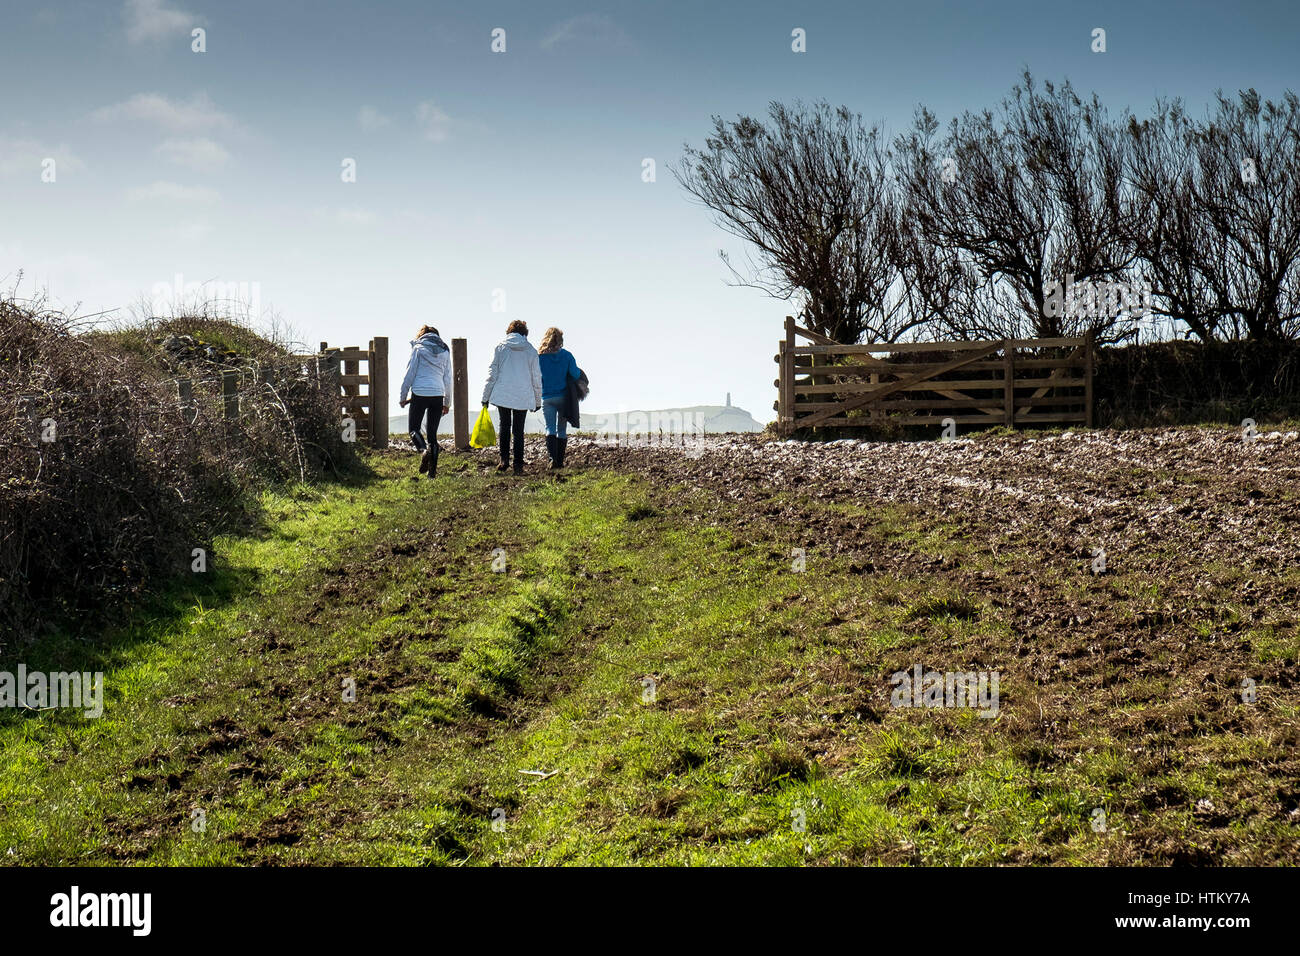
(493, 186)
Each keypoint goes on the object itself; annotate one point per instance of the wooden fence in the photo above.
(368, 409)
(341, 366)
(1010, 382)
(363, 395)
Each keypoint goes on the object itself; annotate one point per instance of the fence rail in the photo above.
(1010, 382)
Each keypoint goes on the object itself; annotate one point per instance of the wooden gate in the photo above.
(368, 409)
(1010, 382)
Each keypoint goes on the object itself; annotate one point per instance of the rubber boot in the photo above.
(432, 455)
(552, 452)
(561, 444)
(418, 441)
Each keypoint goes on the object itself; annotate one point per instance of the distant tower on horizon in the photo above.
(728, 399)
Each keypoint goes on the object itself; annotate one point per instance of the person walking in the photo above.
(558, 366)
(428, 380)
(514, 386)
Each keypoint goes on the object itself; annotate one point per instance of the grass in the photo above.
(226, 336)
(593, 671)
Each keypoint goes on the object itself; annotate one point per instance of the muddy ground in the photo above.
(1196, 602)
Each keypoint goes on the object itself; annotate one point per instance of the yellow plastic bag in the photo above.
(483, 435)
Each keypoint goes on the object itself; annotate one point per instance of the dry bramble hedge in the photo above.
(108, 482)
(1188, 382)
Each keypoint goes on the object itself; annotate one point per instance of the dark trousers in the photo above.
(419, 407)
(512, 420)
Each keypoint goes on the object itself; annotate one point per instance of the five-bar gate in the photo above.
(1012, 382)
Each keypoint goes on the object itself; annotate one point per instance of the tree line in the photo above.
(1044, 216)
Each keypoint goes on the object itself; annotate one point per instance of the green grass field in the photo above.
(600, 670)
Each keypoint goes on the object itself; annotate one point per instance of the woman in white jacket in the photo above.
(428, 380)
(514, 385)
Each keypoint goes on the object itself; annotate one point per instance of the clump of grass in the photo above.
(447, 836)
(775, 764)
(501, 651)
(1273, 643)
(938, 607)
(898, 758)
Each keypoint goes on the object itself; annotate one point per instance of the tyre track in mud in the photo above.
(284, 702)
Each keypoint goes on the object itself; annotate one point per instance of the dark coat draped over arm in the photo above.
(575, 392)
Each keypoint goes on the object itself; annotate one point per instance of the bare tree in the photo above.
(975, 232)
(940, 280)
(1248, 190)
(945, 295)
(1173, 236)
(1029, 196)
(1219, 201)
(810, 192)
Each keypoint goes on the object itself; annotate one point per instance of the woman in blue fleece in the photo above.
(428, 379)
(557, 364)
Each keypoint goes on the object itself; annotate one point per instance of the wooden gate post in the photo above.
(230, 392)
(785, 417)
(352, 369)
(460, 396)
(185, 397)
(782, 391)
(331, 371)
(1089, 343)
(379, 391)
(1009, 385)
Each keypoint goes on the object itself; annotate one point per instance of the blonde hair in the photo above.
(552, 340)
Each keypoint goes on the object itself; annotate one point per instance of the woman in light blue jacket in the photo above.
(428, 380)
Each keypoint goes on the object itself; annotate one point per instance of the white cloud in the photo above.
(152, 20)
(371, 119)
(198, 114)
(593, 28)
(172, 191)
(24, 156)
(433, 121)
(200, 153)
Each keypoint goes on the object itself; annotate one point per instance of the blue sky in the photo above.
(518, 171)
